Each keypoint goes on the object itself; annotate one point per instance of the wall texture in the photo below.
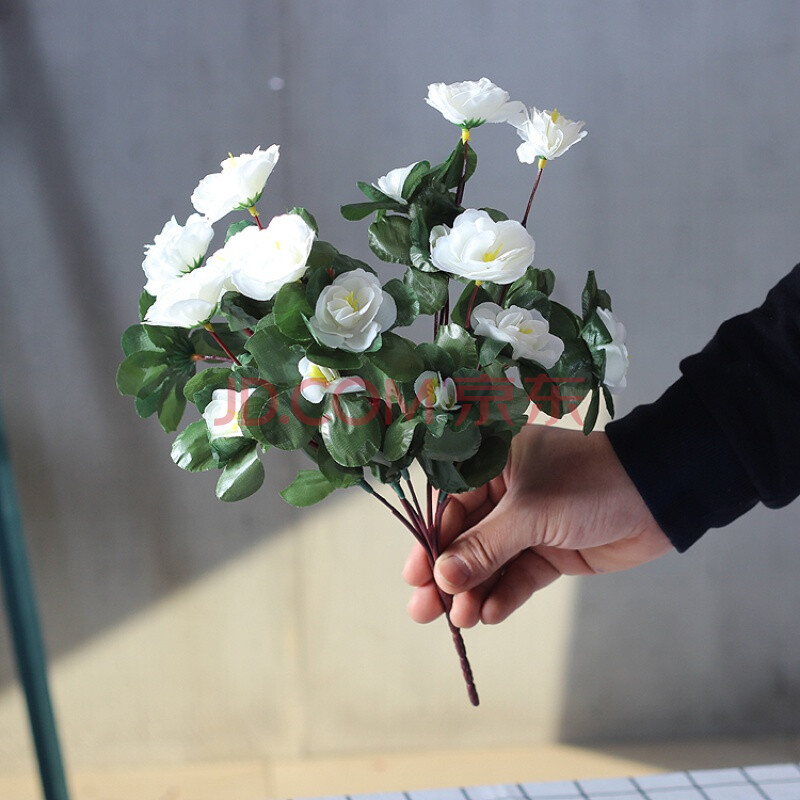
(180, 627)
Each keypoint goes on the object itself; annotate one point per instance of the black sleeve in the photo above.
(726, 435)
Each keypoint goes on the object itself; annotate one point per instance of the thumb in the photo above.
(480, 552)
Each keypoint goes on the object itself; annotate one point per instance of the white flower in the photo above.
(616, 352)
(546, 134)
(391, 184)
(222, 413)
(261, 261)
(471, 103)
(176, 250)
(191, 299)
(352, 311)
(319, 381)
(239, 185)
(478, 248)
(435, 392)
(527, 331)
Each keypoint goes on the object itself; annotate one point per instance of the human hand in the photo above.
(563, 505)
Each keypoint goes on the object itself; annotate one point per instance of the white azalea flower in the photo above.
(471, 103)
(239, 185)
(352, 311)
(435, 392)
(391, 184)
(478, 248)
(222, 413)
(191, 299)
(261, 261)
(526, 330)
(319, 381)
(546, 134)
(176, 250)
(616, 352)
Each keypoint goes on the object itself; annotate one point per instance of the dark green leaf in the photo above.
(280, 418)
(390, 239)
(453, 445)
(322, 254)
(459, 312)
(200, 388)
(489, 461)
(443, 475)
(237, 226)
(276, 355)
(495, 215)
(429, 287)
(437, 359)
(449, 173)
(242, 312)
(373, 192)
(351, 429)
(190, 450)
(306, 216)
(398, 358)
(291, 311)
(357, 211)
(591, 413)
(171, 406)
(414, 179)
(406, 301)
(343, 263)
(459, 344)
(339, 476)
(204, 343)
(609, 400)
(490, 349)
(399, 436)
(242, 476)
(309, 487)
(592, 297)
(334, 358)
(145, 301)
(172, 340)
(135, 339)
(141, 370)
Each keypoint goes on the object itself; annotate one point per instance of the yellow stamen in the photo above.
(542, 162)
(316, 373)
(478, 283)
(465, 135)
(554, 115)
(351, 301)
(526, 330)
(253, 210)
(232, 158)
(492, 255)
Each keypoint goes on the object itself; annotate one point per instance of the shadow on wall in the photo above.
(101, 500)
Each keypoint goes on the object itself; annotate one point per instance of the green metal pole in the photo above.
(26, 634)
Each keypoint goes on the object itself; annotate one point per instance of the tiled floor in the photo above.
(593, 773)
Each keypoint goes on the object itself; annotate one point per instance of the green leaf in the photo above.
(595, 334)
(279, 419)
(343, 263)
(592, 297)
(145, 301)
(489, 461)
(172, 340)
(237, 226)
(453, 445)
(351, 429)
(390, 239)
(459, 311)
(242, 476)
(437, 359)
(414, 179)
(459, 344)
(291, 311)
(591, 413)
(406, 301)
(204, 343)
(341, 477)
(171, 406)
(443, 475)
(306, 216)
(276, 355)
(140, 371)
(135, 338)
(563, 322)
(309, 487)
(449, 173)
(357, 211)
(429, 287)
(609, 400)
(526, 292)
(490, 349)
(372, 192)
(200, 388)
(399, 436)
(561, 389)
(331, 357)
(495, 215)
(398, 358)
(190, 450)
(321, 255)
(242, 312)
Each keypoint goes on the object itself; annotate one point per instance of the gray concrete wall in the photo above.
(683, 197)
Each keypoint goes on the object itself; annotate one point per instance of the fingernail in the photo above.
(453, 569)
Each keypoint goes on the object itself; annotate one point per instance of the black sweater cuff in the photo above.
(691, 478)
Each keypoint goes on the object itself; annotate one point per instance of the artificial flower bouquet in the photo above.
(282, 342)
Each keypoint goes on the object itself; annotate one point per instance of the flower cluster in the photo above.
(300, 344)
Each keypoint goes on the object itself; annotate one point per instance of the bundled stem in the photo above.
(427, 531)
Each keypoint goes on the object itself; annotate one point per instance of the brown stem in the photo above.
(470, 305)
(429, 492)
(216, 337)
(542, 162)
(247, 331)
